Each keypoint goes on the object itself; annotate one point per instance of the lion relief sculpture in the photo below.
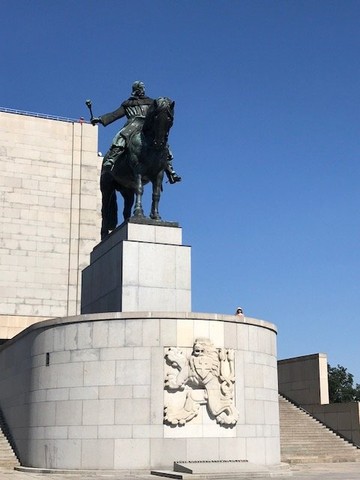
(206, 376)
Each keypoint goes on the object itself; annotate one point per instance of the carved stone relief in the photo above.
(205, 376)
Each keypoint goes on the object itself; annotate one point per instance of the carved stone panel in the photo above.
(204, 375)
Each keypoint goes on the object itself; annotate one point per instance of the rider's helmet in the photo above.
(138, 88)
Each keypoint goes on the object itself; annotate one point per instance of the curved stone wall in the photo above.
(87, 392)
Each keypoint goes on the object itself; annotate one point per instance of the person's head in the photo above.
(138, 88)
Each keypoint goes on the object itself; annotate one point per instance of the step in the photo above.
(8, 458)
(304, 439)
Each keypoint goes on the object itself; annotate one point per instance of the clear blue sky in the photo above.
(266, 138)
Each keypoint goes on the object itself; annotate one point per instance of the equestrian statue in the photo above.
(139, 154)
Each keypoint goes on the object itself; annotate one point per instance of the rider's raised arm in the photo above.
(108, 118)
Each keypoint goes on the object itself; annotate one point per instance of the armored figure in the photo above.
(135, 109)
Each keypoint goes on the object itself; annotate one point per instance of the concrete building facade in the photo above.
(50, 216)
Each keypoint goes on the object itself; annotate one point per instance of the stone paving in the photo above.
(314, 471)
(326, 471)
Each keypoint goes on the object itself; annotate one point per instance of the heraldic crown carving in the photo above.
(207, 377)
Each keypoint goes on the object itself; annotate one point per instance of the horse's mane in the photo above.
(164, 102)
(159, 104)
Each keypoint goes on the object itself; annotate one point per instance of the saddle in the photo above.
(132, 128)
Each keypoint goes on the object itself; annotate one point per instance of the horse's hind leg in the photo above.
(128, 196)
(109, 204)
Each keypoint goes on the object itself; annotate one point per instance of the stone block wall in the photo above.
(50, 210)
(343, 418)
(88, 392)
(304, 379)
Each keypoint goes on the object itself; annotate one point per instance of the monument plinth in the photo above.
(143, 382)
(141, 266)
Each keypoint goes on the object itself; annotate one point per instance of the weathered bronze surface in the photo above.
(139, 154)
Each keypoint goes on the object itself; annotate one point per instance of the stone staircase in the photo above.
(8, 458)
(304, 439)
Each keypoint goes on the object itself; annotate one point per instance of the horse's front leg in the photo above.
(138, 210)
(157, 183)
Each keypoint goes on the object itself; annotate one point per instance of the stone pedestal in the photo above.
(141, 266)
(93, 392)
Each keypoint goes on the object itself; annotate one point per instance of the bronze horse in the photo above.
(143, 161)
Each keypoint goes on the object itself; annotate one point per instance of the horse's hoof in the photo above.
(155, 217)
(139, 214)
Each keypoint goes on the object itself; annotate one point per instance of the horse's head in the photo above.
(159, 120)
